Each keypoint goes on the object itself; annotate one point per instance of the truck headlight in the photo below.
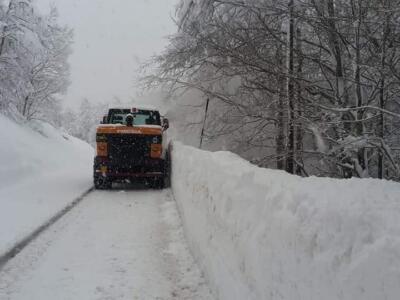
(156, 150)
(102, 149)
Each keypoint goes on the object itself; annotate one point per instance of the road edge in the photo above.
(24, 242)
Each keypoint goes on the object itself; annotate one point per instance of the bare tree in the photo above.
(337, 112)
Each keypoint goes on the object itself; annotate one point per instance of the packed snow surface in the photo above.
(42, 171)
(264, 234)
(113, 245)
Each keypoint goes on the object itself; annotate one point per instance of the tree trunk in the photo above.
(359, 130)
(381, 125)
(335, 41)
(5, 28)
(290, 161)
(280, 137)
(299, 127)
(25, 107)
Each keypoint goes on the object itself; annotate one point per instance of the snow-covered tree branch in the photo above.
(323, 71)
(34, 50)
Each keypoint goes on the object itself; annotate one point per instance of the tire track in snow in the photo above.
(21, 245)
(123, 244)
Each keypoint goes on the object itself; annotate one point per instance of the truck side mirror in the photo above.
(104, 121)
(165, 124)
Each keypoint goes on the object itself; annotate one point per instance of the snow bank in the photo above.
(42, 170)
(263, 234)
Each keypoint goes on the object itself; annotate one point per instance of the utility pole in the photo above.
(204, 123)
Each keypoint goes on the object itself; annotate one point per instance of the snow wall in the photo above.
(42, 170)
(264, 234)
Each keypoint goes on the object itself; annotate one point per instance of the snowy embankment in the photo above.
(263, 234)
(42, 171)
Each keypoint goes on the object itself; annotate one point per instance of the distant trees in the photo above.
(311, 87)
(33, 60)
(82, 122)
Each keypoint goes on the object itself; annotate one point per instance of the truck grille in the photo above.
(129, 149)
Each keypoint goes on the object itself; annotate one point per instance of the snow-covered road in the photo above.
(114, 245)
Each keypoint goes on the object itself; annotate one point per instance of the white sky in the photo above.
(112, 37)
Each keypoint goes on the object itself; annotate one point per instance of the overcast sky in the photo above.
(112, 37)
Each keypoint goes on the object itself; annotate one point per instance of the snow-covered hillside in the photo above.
(264, 234)
(42, 170)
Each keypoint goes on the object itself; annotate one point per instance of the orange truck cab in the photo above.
(130, 146)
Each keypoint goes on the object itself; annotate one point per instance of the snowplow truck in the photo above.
(131, 146)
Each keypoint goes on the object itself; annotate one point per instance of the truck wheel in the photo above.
(160, 184)
(157, 183)
(101, 183)
(167, 170)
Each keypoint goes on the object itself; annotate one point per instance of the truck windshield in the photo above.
(141, 117)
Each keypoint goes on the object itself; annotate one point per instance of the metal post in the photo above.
(204, 123)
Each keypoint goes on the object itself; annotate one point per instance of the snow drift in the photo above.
(42, 171)
(263, 234)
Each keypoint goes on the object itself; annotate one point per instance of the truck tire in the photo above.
(167, 170)
(157, 183)
(102, 183)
